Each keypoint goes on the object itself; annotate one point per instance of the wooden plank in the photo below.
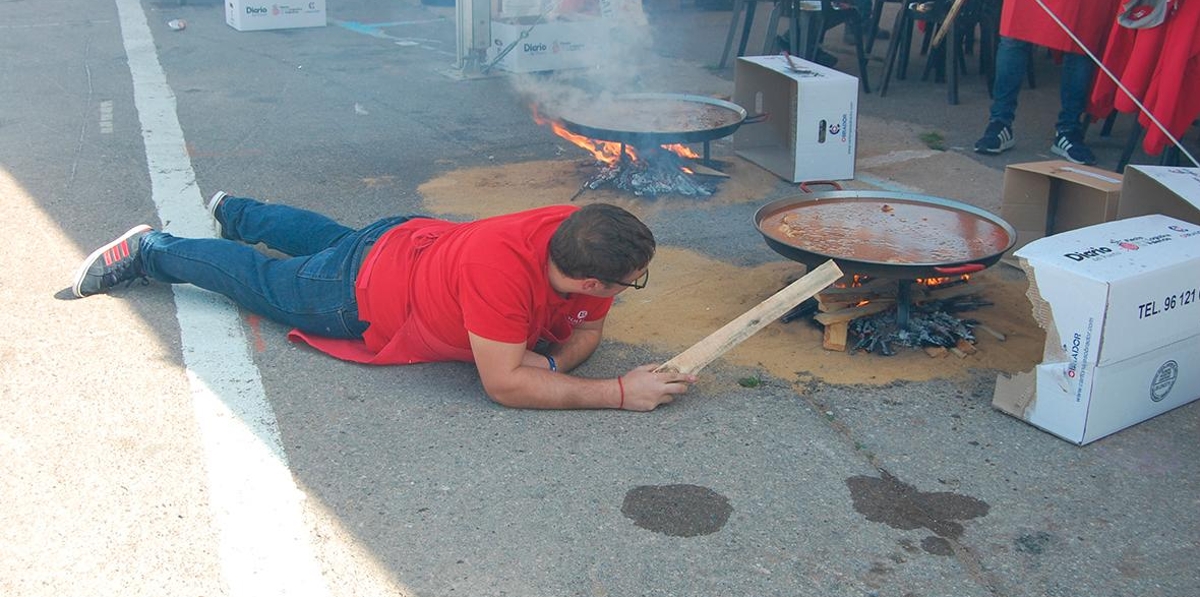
(825, 307)
(852, 312)
(950, 292)
(936, 352)
(700, 169)
(835, 336)
(875, 287)
(966, 346)
(747, 324)
(947, 23)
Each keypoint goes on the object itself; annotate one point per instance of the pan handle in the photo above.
(757, 118)
(834, 184)
(954, 270)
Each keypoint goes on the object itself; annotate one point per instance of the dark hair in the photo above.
(601, 241)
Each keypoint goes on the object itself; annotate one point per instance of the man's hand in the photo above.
(510, 380)
(644, 389)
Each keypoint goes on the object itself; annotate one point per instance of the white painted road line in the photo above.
(266, 548)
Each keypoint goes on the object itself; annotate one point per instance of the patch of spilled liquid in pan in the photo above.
(677, 510)
(901, 506)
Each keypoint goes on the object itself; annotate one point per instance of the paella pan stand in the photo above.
(905, 270)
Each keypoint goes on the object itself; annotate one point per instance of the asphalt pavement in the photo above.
(157, 441)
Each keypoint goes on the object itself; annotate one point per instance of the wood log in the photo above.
(829, 307)
(835, 336)
(949, 292)
(947, 22)
(747, 324)
(937, 352)
(702, 170)
(852, 313)
(876, 287)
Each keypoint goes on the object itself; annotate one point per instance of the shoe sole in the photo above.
(1003, 148)
(87, 263)
(1056, 150)
(213, 202)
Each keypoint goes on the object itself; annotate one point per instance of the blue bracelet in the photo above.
(553, 365)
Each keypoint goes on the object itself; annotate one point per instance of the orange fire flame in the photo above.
(857, 280)
(606, 152)
(854, 281)
(941, 281)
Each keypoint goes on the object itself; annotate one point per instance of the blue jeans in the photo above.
(313, 290)
(1012, 60)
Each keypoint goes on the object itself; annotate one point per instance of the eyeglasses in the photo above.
(637, 284)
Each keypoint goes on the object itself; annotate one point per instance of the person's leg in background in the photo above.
(1077, 72)
(1012, 62)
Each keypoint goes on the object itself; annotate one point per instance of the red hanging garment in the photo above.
(1161, 67)
(1089, 20)
(1174, 92)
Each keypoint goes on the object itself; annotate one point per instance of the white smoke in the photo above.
(619, 56)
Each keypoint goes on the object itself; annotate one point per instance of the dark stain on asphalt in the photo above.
(677, 510)
(901, 506)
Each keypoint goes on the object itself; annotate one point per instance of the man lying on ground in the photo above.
(524, 296)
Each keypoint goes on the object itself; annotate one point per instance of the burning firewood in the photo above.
(930, 324)
(651, 178)
(643, 171)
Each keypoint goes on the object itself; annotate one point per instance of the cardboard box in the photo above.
(551, 45)
(1109, 292)
(1044, 198)
(813, 126)
(251, 15)
(1120, 303)
(514, 9)
(1098, 401)
(1170, 191)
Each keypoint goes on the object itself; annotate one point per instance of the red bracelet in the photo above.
(622, 386)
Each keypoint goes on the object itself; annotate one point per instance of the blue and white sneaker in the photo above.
(998, 138)
(1069, 144)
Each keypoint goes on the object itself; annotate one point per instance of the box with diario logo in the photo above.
(1120, 303)
(253, 15)
(526, 46)
(812, 128)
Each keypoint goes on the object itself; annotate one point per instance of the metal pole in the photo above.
(903, 302)
(473, 24)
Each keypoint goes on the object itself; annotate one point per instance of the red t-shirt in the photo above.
(1089, 20)
(427, 282)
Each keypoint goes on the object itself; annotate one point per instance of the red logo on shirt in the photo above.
(578, 318)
